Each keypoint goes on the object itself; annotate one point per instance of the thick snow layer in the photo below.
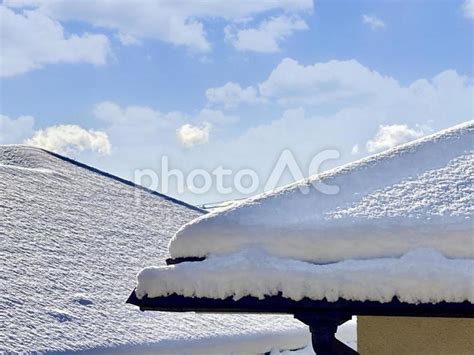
(72, 240)
(413, 196)
(420, 276)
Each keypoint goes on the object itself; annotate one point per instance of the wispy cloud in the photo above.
(373, 22)
(265, 38)
(14, 130)
(468, 9)
(231, 95)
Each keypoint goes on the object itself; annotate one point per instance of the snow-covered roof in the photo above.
(420, 276)
(400, 226)
(416, 195)
(72, 239)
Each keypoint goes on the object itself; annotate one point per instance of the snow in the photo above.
(401, 226)
(347, 333)
(418, 195)
(72, 240)
(420, 276)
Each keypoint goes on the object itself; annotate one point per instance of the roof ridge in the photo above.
(121, 180)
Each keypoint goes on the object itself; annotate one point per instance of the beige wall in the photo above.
(413, 335)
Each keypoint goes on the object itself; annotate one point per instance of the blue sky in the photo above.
(120, 85)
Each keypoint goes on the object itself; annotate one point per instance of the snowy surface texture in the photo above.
(72, 241)
(419, 195)
(420, 276)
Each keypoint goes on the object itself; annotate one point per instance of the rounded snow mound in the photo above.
(420, 276)
(418, 195)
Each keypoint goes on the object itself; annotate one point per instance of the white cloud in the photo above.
(215, 116)
(127, 39)
(31, 40)
(15, 130)
(178, 23)
(468, 8)
(133, 115)
(265, 38)
(391, 136)
(354, 102)
(335, 85)
(108, 111)
(373, 21)
(355, 149)
(335, 80)
(134, 126)
(231, 95)
(189, 135)
(69, 139)
(147, 118)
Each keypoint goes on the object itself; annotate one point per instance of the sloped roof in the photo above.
(399, 227)
(412, 196)
(72, 240)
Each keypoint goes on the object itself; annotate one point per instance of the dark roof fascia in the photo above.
(281, 305)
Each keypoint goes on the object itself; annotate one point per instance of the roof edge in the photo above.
(123, 181)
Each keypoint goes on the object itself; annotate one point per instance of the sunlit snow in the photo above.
(72, 241)
(419, 195)
(401, 226)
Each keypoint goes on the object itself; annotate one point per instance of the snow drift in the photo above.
(418, 195)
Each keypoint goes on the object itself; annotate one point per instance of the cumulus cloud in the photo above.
(373, 22)
(178, 23)
(69, 139)
(231, 95)
(354, 102)
(468, 8)
(335, 85)
(265, 38)
(292, 82)
(31, 40)
(391, 136)
(189, 135)
(15, 130)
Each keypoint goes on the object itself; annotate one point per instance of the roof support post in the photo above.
(323, 329)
